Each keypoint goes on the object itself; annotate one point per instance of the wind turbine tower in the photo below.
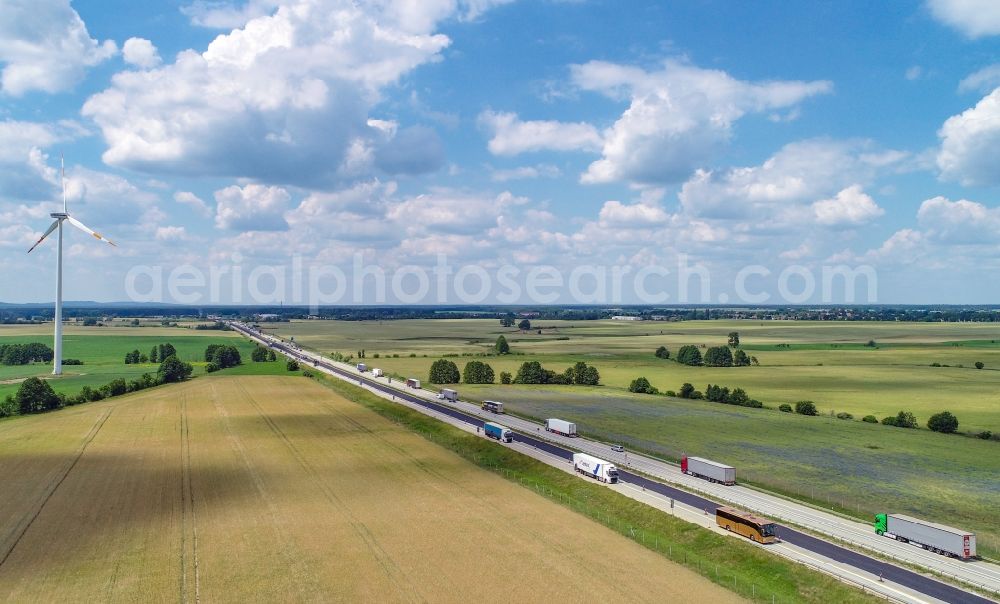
(61, 217)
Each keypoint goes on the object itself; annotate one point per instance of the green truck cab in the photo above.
(881, 524)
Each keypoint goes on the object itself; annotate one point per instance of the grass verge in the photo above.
(728, 562)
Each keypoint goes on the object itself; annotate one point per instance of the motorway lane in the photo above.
(920, 583)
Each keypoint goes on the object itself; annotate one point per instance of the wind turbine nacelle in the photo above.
(58, 215)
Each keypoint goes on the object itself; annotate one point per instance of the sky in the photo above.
(511, 151)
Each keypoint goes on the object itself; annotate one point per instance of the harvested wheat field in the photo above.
(276, 489)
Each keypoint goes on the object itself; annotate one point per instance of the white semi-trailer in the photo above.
(447, 394)
(560, 427)
(377, 372)
(605, 471)
(937, 538)
(708, 469)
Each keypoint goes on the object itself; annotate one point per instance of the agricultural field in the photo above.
(849, 465)
(826, 362)
(277, 489)
(103, 349)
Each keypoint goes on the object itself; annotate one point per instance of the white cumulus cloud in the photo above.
(960, 222)
(45, 46)
(511, 135)
(678, 116)
(251, 208)
(141, 53)
(283, 99)
(974, 18)
(196, 203)
(970, 144)
(850, 207)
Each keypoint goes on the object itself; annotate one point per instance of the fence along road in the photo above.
(983, 574)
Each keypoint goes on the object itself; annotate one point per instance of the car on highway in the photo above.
(618, 448)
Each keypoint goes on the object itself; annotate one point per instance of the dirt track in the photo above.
(266, 488)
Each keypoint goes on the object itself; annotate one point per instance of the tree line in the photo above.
(445, 371)
(24, 354)
(37, 396)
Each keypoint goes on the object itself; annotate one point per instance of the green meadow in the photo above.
(826, 362)
(103, 349)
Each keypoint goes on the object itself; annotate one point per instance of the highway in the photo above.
(707, 495)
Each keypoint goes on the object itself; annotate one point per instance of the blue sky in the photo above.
(755, 145)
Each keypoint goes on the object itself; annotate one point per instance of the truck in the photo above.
(377, 372)
(447, 394)
(413, 383)
(362, 367)
(709, 470)
(605, 471)
(498, 432)
(560, 427)
(937, 538)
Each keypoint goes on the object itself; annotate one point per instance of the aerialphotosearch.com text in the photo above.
(364, 283)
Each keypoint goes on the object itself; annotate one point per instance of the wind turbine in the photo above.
(61, 217)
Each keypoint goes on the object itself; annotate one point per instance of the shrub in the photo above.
(740, 359)
(935, 364)
(670, 393)
(501, 346)
(585, 375)
(642, 386)
(444, 371)
(226, 356)
(117, 387)
(662, 353)
(505, 377)
(35, 396)
(903, 419)
(259, 354)
(8, 407)
(374, 356)
(870, 419)
(173, 369)
(785, 408)
(719, 356)
(72, 362)
(805, 408)
(985, 435)
(477, 372)
(212, 368)
(980, 365)
(292, 365)
(687, 390)
(844, 415)
(689, 355)
(943, 422)
(309, 374)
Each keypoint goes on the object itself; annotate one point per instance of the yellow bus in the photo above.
(754, 527)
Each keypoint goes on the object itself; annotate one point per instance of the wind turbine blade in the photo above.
(47, 233)
(88, 230)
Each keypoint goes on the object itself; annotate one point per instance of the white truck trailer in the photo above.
(447, 394)
(708, 469)
(605, 471)
(377, 372)
(937, 538)
(560, 427)
(413, 383)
